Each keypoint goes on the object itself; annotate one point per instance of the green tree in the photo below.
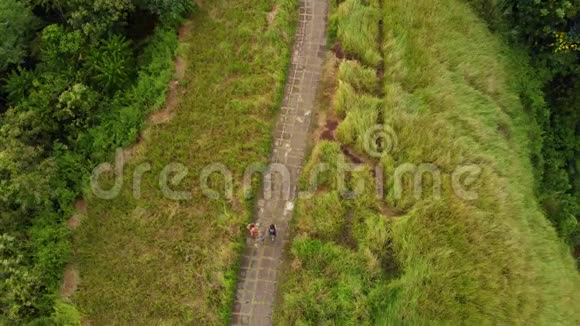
(24, 181)
(547, 24)
(111, 64)
(17, 85)
(17, 24)
(169, 11)
(92, 18)
(95, 17)
(60, 49)
(18, 284)
(75, 108)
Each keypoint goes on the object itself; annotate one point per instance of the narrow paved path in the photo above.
(260, 266)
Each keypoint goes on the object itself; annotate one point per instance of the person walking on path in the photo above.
(253, 229)
(256, 233)
(272, 232)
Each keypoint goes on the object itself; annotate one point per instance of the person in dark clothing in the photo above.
(272, 232)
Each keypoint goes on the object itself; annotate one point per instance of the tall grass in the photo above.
(323, 216)
(452, 94)
(361, 117)
(325, 154)
(152, 260)
(358, 30)
(339, 298)
(361, 78)
(495, 258)
(359, 110)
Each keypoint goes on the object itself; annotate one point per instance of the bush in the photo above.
(18, 85)
(110, 65)
(19, 284)
(52, 248)
(60, 50)
(65, 314)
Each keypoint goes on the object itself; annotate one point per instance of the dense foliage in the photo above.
(76, 82)
(16, 29)
(550, 32)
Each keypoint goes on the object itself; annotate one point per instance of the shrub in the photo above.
(110, 64)
(52, 248)
(76, 109)
(94, 20)
(19, 284)
(18, 85)
(65, 314)
(60, 49)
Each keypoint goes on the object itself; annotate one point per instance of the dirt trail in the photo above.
(174, 90)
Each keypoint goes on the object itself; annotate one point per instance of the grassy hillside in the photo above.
(155, 260)
(455, 97)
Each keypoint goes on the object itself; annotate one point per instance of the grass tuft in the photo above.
(361, 78)
(358, 30)
(361, 117)
(321, 169)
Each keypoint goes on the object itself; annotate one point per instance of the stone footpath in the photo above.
(260, 266)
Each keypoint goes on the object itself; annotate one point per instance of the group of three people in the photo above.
(257, 235)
